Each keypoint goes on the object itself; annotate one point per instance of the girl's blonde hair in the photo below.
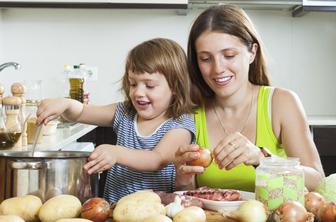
(168, 58)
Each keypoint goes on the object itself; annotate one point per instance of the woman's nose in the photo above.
(219, 65)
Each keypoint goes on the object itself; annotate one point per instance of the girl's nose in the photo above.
(139, 91)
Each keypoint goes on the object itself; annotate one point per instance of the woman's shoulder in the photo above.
(283, 96)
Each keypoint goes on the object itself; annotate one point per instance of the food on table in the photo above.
(214, 194)
(327, 188)
(250, 211)
(74, 220)
(10, 218)
(174, 207)
(279, 180)
(314, 202)
(328, 212)
(62, 206)
(157, 218)
(96, 209)
(204, 159)
(26, 207)
(190, 214)
(292, 211)
(187, 201)
(138, 206)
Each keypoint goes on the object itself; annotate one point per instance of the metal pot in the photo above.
(46, 174)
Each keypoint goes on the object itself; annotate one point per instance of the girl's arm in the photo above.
(291, 123)
(75, 111)
(105, 156)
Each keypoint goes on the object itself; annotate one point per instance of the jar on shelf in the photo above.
(279, 180)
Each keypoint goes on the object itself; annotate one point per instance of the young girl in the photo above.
(150, 124)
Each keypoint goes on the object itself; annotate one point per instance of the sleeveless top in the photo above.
(121, 180)
(241, 177)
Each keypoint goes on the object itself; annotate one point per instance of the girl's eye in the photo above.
(150, 86)
(132, 84)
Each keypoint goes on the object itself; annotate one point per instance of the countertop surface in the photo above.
(63, 137)
(322, 120)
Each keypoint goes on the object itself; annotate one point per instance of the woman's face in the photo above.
(223, 61)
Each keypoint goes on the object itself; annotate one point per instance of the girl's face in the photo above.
(150, 94)
(223, 61)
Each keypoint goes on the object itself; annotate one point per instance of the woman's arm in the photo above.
(105, 156)
(290, 123)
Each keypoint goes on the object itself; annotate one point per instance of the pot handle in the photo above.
(26, 165)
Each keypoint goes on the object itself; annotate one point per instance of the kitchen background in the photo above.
(301, 51)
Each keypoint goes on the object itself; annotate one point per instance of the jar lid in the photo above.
(280, 161)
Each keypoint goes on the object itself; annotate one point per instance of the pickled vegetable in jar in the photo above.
(279, 180)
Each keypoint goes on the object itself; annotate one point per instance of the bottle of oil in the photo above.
(76, 80)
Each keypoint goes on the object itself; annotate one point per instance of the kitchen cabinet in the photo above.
(129, 4)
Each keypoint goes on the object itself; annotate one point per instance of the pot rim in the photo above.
(45, 154)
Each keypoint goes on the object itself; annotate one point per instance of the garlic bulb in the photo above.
(174, 207)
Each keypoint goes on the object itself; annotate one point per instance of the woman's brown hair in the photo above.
(168, 58)
(231, 20)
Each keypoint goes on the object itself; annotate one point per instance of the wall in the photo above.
(1, 39)
(301, 51)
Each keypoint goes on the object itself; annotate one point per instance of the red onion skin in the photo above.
(95, 209)
(290, 211)
(328, 213)
(314, 202)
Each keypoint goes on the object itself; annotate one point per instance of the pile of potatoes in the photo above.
(29, 208)
(145, 206)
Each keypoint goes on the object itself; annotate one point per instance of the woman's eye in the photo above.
(204, 59)
(132, 84)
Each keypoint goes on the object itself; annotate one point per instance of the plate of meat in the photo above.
(219, 199)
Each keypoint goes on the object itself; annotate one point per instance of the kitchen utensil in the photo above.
(46, 174)
(36, 137)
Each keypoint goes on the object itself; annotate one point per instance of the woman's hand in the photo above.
(102, 158)
(185, 174)
(234, 150)
(50, 109)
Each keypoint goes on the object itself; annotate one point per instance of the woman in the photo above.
(240, 117)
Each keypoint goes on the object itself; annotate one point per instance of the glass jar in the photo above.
(279, 180)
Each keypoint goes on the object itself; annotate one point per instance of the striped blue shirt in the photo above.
(121, 180)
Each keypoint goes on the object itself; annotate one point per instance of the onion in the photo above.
(292, 211)
(204, 159)
(328, 212)
(314, 202)
(250, 211)
(95, 209)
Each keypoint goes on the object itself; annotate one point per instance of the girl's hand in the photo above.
(234, 150)
(185, 173)
(50, 109)
(102, 158)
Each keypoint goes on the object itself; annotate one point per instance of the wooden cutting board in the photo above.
(213, 216)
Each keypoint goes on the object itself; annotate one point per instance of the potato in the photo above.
(73, 220)
(157, 218)
(147, 196)
(62, 206)
(26, 207)
(190, 214)
(11, 218)
(138, 206)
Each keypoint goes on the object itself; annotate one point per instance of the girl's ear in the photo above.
(253, 52)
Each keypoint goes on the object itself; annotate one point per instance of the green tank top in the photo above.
(241, 177)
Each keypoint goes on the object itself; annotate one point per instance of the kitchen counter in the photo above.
(64, 137)
(322, 120)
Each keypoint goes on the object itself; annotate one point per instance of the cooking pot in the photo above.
(46, 174)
